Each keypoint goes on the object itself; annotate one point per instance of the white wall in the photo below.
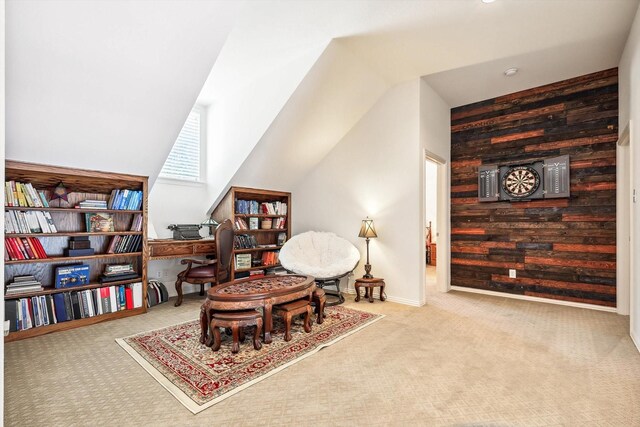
(337, 91)
(175, 203)
(107, 85)
(435, 139)
(629, 70)
(2, 142)
(374, 170)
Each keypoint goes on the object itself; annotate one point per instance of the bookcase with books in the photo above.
(75, 245)
(262, 224)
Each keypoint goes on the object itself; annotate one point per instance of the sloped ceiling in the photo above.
(106, 85)
(395, 41)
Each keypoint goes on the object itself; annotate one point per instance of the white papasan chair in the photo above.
(323, 255)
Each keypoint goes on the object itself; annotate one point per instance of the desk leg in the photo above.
(179, 291)
(268, 323)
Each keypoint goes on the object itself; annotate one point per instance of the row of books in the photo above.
(279, 223)
(240, 224)
(270, 257)
(19, 248)
(254, 274)
(29, 222)
(274, 208)
(130, 200)
(252, 207)
(247, 207)
(156, 293)
(125, 244)
(27, 313)
(24, 195)
(136, 223)
(244, 241)
(22, 285)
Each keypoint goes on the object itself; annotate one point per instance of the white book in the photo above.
(137, 294)
(45, 312)
(113, 298)
(43, 222)
(22, 220)
(92, 311)
(52, 226)
(35, 198)
(96, 293)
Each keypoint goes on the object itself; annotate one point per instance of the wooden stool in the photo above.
(290, 309)
(236, 320)
(368, 285)
(319, 300)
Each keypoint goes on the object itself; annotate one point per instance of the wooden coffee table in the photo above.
(251, 293)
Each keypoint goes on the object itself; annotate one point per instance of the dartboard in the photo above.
(520, 181)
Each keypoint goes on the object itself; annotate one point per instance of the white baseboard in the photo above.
(536, 299)
(635, 341)
(391, 298)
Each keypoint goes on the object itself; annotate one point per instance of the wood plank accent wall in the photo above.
(564, 248)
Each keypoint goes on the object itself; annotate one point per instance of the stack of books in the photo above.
(270, 258)
(247, 207)
(118, 272)
(92, 204)
(241, 224)
(79, 246)
(23, 284)
(274, 208)
(125, 244)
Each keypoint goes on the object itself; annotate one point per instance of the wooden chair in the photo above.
(214, 271)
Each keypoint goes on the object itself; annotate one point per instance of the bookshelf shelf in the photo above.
(86, 185)
(257, 267)
(249, 250)
(72, 258)
(253, 199)
(261, 230)
(51, 291)
(76, 210)
(75, 233)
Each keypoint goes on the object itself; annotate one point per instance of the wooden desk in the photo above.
(170, 248)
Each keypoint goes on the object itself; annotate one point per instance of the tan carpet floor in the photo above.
(462, 360)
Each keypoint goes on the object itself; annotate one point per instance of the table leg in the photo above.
(268, 323)
(357, 286)
(179, 291)
(382, 297)
(370, 294)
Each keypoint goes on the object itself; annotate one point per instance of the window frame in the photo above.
(202, 113)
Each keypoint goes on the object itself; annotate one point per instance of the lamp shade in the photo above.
(210, 222)
(367, 229)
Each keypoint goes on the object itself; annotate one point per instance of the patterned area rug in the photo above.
(200, 378)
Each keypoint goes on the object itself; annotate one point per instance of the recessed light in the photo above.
(488, 1)
(510, 72)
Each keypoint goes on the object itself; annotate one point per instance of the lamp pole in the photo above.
(367, 266)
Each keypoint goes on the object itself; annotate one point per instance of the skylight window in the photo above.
(185, 159)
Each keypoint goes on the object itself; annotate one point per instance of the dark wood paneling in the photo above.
(562, 249)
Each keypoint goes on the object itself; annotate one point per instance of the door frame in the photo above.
(442, 222)
(625, 225)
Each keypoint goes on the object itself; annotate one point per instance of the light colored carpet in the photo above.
(199, 377)
(464, 359)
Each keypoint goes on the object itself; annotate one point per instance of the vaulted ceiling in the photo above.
(108, 85)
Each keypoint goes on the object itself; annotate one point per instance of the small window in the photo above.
(185, 159)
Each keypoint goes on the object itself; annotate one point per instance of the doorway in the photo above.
(431, 232)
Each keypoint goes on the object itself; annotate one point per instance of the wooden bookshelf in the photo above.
(227, 208)
(70, 222)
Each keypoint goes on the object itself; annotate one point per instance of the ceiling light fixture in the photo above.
(510, 72)
(488, 1)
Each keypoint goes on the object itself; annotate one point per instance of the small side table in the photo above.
(368, 285)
